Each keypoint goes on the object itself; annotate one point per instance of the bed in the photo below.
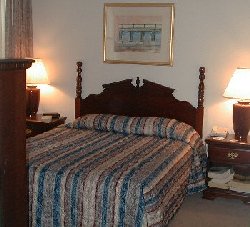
(128, 159)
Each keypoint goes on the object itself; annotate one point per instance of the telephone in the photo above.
(219, 131)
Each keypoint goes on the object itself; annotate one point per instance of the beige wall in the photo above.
(214, 34)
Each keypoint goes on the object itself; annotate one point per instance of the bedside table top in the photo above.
(37, 126)
(37, 119)
(229, 141)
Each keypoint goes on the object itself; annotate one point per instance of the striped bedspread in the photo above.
(113, 171)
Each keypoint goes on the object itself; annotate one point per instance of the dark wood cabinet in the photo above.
(228, 152)
(13, 172)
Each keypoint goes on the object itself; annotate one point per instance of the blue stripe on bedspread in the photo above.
(127, 177)
(146, 182)
(59, 175)
(108, 180)
(81, 171)
(56, 207)
(124, 189)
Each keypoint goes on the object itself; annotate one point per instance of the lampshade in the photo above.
(37, 73)
(239, 85)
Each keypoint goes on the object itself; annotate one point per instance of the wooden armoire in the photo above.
(13, 171)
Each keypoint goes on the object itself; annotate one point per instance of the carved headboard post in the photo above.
(78, 98)
(200, 109)
(201, 87)
(137, 82)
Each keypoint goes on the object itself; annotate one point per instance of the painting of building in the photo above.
(138, 38)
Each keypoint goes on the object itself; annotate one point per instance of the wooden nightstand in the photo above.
(37, 126)
(228, 152)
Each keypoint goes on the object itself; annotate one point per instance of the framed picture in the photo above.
(138, 33)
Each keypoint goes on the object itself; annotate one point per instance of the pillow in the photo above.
(149, 126)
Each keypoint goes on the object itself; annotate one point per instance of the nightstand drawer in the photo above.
(230, 156)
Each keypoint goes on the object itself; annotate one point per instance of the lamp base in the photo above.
(32, 100)
(241, 120)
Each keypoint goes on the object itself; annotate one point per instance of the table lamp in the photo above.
(35, 75)
(239, 88)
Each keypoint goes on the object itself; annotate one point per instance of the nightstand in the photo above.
(37, 126)
(228, 152)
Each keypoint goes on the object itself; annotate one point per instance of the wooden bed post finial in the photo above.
(78, 98)
(201, 87)
(137, 82)
(79, 80)
(200, 109)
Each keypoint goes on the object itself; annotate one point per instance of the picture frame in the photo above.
(138, 33)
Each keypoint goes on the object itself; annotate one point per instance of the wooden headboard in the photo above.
(150, 99)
